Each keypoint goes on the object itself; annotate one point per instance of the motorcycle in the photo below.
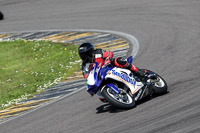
(120, 87)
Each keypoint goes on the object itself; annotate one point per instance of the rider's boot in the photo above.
(140, 73)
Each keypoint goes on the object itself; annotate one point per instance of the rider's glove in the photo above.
(107, 62)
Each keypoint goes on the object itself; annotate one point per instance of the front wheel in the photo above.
(121, 100)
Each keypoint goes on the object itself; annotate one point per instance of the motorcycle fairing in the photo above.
(130, 59)
(121, 75)
(113, 87)
(93, 81)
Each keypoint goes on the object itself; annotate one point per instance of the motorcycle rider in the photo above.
(90, 55)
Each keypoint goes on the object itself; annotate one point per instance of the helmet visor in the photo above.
(86, 56)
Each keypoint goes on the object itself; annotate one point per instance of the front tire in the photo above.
(123, 100)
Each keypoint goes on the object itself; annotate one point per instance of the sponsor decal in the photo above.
(124, 77)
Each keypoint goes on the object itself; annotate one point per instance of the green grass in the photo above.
(28, 67)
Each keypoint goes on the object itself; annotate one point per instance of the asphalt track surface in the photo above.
(169, 37)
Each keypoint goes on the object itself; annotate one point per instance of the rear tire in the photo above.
(122, 100)
(159, 87)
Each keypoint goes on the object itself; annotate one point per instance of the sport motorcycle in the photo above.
(121, 87)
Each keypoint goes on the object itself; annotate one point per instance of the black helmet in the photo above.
(85, 51)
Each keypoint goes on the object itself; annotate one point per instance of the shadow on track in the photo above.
(108, 108)
(112, 109)
(1, 16)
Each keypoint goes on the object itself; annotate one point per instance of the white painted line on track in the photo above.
(131, 39)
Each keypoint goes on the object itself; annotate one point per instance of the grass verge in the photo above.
(28, 67)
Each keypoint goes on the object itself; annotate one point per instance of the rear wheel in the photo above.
(160, 87)
(121, 100)
(159, 84)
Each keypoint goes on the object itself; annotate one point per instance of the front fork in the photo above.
(112, 86)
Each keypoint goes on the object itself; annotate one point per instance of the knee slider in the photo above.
(121, 61)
